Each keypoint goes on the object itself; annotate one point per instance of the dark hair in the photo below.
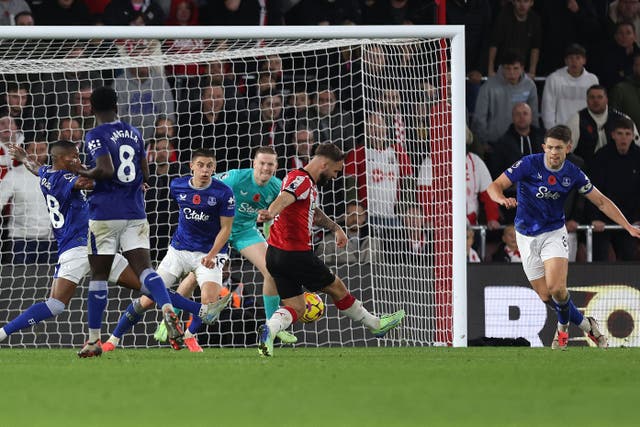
(21, 14)
(202, 152)
(511, 57)
(561, 132)
(575, 49)
(330, 151)
(623, 123)
(264, 149)
(16, 86)
(104, 99)
(625, 23)
(597, 87)
(65, 145)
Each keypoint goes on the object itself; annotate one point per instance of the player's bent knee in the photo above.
(55, 306)
(140, 305)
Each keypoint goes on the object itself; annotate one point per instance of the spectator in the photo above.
(591, 127)
(183, 12)
(69, 129)
(398, 12)
(9, 134)
(565, 23)
(625, 96)
(240, 12)
(10, 8)
(624, 11)
(616, 173)
(29, 226)
(302, 142)
(165, 128)
(133, 12)
(415, 241)
(268, 128)
(96, 8)
(63, 12)
(334, 124)
(615, 61)
(80, 105)
(209, 126)
(18, 101)
(357, 249)
(507, 250)
(143, 94)
(325, 12)
(475, 15)
(564, 89)
(574, 212)
(517, 29)
(472, 255)
(24, 18)
(521, 139)
(498, 96)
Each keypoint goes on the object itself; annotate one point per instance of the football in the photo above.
(314, 307)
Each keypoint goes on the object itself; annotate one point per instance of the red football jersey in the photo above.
(291, 229)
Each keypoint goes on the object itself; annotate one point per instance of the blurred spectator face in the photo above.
(16, 101)
(521, 116)
(326, 103)
(625, 35)
(141, 72)
(24, 19)
(623, 139)
(266, 83)
(512, 72)
(304, 141)
(183, 12)
(597, 101)
(165, 128)
(300, 100)
(161, 151)
(356, 217)
(137, 21)
(392, 100)
(627, 10)
(414, 219)
(38, 151)
(274, 64)
(521, 8)
(65, 4)
(8, 130)
(232, 5)
(374, 59)
(575, 64)
(213, 99)
(271, 108)
(70, 130)
(81, 102)
(376, 131)
(509, 237)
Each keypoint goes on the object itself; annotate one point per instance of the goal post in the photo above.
(392, 97)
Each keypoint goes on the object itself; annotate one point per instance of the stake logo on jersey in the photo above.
(250, 197)
(291, 230)
(198, 222)
(67, 208)
(120, 197)
(542, 193)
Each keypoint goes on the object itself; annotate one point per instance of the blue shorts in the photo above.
(246, 238)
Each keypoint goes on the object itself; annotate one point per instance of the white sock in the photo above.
(279, 321)
(3, 335)
(358, 313)
(585, 325)
(188, 334)
(94, 335)
(114, 340)
(563, 328)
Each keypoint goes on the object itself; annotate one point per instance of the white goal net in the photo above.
(390, 101)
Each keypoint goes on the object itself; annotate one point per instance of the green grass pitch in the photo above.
(322, 387)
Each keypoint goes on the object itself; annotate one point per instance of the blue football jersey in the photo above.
(68, 208)
(542, 193)
(120, 197)
(200, 210)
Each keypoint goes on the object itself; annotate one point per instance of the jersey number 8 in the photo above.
(126, 170)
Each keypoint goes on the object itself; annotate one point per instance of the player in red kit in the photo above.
(290, 257)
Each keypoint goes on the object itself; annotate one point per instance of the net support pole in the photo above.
(459, 190)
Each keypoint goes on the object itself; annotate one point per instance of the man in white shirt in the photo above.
(564, 89)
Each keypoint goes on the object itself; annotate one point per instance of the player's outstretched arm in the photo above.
(283, 200)
(322, 220)
(496, 192)
(19, 154)
(610, 209)
(103, 170)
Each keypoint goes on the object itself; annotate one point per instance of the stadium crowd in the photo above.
(528, 69)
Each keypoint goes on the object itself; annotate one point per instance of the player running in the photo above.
(68, 211)
(290, 258)
(254, 189)
(544, 180)
(199, 245)
(117, 219)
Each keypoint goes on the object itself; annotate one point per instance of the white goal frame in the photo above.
(454, 33)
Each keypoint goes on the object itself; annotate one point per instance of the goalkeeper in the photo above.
(254, 189)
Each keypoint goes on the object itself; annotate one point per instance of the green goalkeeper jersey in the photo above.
(250, 197)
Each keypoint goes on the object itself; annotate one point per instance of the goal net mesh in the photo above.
(385, 102)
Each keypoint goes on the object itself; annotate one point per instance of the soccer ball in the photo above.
(314, 307)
